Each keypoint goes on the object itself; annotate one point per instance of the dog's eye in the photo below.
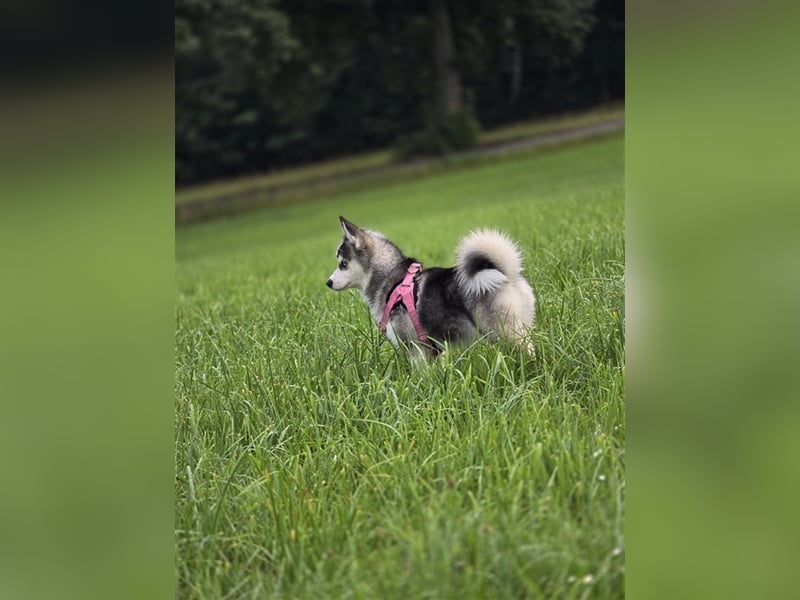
(342, 264)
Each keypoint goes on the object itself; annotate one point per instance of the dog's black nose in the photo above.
(329, 283)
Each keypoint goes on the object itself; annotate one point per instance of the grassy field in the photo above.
(313, 461)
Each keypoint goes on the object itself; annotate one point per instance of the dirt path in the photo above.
(228, 204)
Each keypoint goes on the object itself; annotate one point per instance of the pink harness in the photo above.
(404, 293)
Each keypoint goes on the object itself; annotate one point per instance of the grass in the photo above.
(313, 461)
(383, 158)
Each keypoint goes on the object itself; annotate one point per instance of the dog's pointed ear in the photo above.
(352, 232)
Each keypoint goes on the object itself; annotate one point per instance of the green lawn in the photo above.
(313, 461)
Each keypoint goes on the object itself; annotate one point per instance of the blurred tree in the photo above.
(270, 83)
(479, 45)
(509, 45)
(448, 94)
(602, 63)
(552, 31)
(227, 57)
(366, 54)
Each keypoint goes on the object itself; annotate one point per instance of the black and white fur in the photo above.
(485, 293)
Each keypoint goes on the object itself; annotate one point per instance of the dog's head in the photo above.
(361, 253)
(353, 258)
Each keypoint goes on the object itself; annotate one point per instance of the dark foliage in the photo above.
(265, 84)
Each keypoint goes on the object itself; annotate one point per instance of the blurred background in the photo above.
(268, 84)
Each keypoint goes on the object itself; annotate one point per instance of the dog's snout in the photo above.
(329, 283)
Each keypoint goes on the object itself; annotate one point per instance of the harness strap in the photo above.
(404, 292)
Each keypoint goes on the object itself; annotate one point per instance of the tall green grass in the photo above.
(313, 460)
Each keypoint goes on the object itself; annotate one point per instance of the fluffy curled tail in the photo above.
(485, 261)
(489, 272)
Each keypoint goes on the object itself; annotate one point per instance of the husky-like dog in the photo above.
(485, 293)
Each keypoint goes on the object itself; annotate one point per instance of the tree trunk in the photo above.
(448, 95)
(516, 72)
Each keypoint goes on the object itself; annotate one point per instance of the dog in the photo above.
(484, 294)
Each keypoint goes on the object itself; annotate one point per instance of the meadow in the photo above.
(314, 461)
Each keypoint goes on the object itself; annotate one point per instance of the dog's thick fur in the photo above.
(485, 293)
